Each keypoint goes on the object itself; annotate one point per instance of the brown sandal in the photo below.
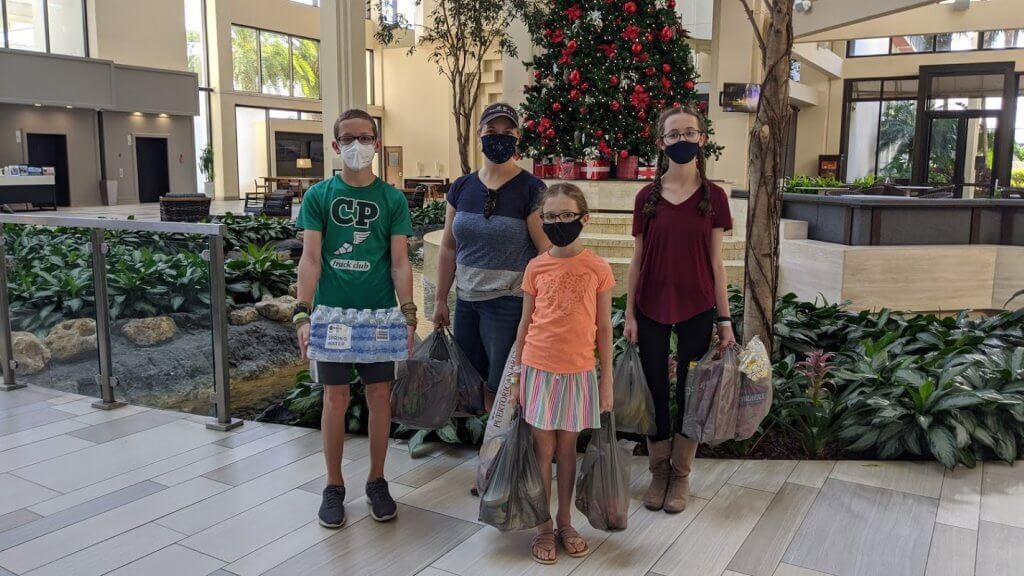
(544, 541)
(570, 533)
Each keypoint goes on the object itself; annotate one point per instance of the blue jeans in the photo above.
(486, 332)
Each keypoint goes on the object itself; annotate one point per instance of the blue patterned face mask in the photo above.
(499, 148)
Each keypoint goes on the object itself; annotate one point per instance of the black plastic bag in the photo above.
(602, 489)
(513, 496)
(440, 345)
(634, 404)
(424, 394)
(470, 384)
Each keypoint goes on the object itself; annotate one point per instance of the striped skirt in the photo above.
(567, 402)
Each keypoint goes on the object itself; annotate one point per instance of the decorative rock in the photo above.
(292, 247)
(71, 339)
(279, 309)
(243, 316)
(293, 290)
(150, 331)
(29, 351)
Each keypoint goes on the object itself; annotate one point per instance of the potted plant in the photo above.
(206, 167)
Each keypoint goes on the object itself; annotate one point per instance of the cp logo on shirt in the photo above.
(352, 212)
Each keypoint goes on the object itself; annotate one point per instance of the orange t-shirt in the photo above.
(563, 329)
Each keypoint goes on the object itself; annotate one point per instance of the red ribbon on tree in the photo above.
(631, 33)
(573, 12)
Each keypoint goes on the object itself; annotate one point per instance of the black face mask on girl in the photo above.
(562, 234)
(499, 148)
(682, 152)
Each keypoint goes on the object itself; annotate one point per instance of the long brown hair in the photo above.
(651, 205)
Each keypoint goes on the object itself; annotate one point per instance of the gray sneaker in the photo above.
(382, 505)
(332, 507)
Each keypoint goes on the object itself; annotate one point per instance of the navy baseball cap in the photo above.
(499, 110)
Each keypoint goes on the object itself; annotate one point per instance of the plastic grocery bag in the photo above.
(755, 395)
(424, 395)
(470, 384)
(498, 422)
(634, 404)
(512, 496)
(602, 489)
(712, 397)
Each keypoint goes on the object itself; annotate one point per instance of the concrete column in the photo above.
(735, 57)
(343, 31)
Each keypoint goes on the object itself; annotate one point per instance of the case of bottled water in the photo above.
(360, 336)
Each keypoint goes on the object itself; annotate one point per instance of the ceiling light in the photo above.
(37, 105)
(69, 107)
(163, 115)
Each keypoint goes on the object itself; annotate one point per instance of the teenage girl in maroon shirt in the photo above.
(676, 282)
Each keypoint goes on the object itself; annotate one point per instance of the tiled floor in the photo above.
(146, 492)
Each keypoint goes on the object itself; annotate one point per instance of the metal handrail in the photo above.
(115, 224)
(106, 379)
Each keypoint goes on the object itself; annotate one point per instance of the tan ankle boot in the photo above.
(658, 453)
(683, 452)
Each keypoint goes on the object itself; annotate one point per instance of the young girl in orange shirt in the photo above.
(566, 315)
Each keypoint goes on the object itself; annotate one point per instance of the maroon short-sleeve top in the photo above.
(677, 280)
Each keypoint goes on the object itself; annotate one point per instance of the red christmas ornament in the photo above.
(650, 71)
(643, 58)
(671, 3)
(631, 33)
(619, 136)
(550, 133)
(637, 48)
(556, 107)
(667, 34)
(623, 154)
(649, 37)
(557, 36)
(666, 83)
(584, 87)
(529, 124)
(646, 133)
(677, 104)
(702, 106)
(613, 80)
(574, 94)
(688, 85)
(537, 75)
(629, 7)
(641, 115)
(615, 105)
(598, 133)
(574, 77)
(573, 12)
(638, 88)
(666, 68)
(584, 110)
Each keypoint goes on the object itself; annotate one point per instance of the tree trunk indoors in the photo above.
(766, 171)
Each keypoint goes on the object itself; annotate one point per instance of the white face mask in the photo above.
(358, 156)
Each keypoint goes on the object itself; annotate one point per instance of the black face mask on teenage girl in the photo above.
(562, 234)
(682, 152)
(499, 148)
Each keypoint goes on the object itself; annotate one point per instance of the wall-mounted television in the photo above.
(736, 97)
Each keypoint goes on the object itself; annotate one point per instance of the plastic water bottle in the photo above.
(399, 335)
(361, 337)
(381, 336)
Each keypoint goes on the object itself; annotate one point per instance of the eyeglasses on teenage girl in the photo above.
(691, 135)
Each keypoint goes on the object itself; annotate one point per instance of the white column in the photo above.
(343, 31)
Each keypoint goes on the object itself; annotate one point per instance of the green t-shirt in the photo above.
(357, 225)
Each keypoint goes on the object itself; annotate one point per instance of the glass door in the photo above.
(961, 150)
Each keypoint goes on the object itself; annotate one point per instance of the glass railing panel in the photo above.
(158, 297)
(51, 297)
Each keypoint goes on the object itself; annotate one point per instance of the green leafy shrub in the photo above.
(430, 214)
(147, 273)
(799, 184)
(258, 271)
(864, 182)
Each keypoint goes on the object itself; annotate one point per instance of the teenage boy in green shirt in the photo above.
(355, 254)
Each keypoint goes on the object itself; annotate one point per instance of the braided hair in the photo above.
(651, 204)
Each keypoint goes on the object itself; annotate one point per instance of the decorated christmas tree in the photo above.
(607, 68)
